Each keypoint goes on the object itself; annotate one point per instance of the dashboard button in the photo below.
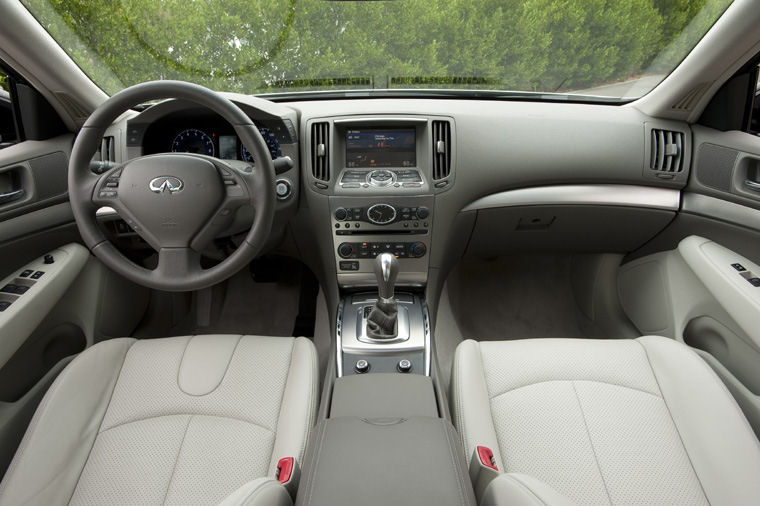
(361, 366)
(423, 212)
(404, 365)
(340, 214)
(345, 249)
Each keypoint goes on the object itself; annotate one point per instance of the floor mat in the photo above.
(514, 297)
(267, 305)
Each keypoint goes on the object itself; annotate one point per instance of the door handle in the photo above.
(17, 194)
(752, 185)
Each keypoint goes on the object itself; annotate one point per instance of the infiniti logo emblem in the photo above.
(166, 183)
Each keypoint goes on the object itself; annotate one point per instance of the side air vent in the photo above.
(107, 153)
(667, 151)
(320, 151)
(441, 150)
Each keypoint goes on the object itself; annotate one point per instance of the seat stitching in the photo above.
(576, 380)
(176, 459)
(105, 412)
(591, 442)
(187, 414)
(670, 414)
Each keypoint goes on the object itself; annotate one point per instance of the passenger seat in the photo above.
(581, 421)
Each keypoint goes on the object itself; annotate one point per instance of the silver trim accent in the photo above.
(593, 194)
(379, 119)
(752, 185)
(105, 212)
(338, 338)
(428, 343)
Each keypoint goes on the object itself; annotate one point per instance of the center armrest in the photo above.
(383, 396)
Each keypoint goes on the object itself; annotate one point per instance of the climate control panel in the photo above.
(414, 249)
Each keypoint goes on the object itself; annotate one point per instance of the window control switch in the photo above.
(38, 274)
(738, 267)
(754, 281)
(26, 273)
(4, 305)
(9, 288)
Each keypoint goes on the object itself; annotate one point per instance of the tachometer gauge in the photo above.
(193, 140)
(272, 143)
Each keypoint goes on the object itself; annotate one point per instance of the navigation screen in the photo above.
(386, 147)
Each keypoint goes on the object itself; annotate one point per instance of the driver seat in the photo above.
(179, 420)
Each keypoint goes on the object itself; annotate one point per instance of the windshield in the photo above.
(604, 48)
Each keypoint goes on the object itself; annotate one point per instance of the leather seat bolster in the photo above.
(514, 489)
(299, 405)
(57, 443)
(709, 421)
(471, 402)
(259, 492)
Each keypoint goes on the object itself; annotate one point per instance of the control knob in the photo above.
(345, 250)
(418, 249)
(423, 212)
(341, 214)
(361, 366)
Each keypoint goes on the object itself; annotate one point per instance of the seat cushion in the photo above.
(182, 420)
(607, 421)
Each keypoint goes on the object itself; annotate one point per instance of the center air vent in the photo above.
(441, 150)
(320, 151)
(666, 151)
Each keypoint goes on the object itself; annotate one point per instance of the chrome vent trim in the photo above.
(107, 153)
(441, 150)
(666, 150)
(320, 151)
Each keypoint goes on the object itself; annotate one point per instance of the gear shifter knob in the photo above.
(386, 271)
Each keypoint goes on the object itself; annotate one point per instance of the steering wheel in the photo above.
(177, 202)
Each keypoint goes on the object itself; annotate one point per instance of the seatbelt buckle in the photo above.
(288, 473)
(483, 469)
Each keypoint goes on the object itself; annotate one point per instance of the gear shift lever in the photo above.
(382, 322)
(386, 272)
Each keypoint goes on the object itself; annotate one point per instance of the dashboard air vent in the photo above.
(666, 151)
(320, 151)
(441, 149)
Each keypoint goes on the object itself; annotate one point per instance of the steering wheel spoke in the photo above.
(174, 263)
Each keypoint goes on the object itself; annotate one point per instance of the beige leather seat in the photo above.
(642, 421)
(181, 420)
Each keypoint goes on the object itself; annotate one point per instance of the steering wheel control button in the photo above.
(26, 273)
(49, 259)
(738, 267)
(404, 366)
(362, 366)
(38, 274)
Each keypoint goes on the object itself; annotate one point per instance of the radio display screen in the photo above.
(381, 147)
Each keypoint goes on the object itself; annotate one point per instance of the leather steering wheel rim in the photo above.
(177, 273)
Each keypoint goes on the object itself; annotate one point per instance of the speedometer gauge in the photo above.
(193, 140)
(272, 143)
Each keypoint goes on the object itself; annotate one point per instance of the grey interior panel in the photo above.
(381, 461)
(581, 228)
(383, 395)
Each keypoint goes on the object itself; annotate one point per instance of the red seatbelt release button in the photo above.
(285, 469)
(486, 457)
